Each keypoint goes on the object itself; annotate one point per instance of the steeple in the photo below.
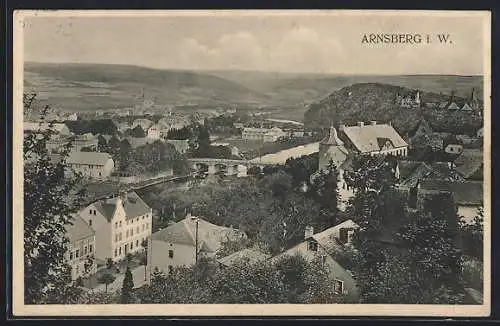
(332, 139)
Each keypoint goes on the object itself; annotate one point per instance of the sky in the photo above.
(292, 42)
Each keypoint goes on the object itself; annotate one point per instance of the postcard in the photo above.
(251, 163)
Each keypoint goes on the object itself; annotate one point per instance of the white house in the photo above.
(95, 165)
(326, 245)
(374, 139)
(121, 225)
(81, 248)
(181, 243)
(37, 127)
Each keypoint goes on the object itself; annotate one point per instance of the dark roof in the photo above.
(464, 192)
(412, 171)
(133, 205)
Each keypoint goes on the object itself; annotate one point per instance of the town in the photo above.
(231, 205)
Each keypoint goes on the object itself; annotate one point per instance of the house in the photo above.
(180, 244)
(469, 164)
(453, 106)
(451, 145)
(468, 195)
(38, 127)
(410, 102)
(72, 117)
(373, 139)
(181, 145)
(121, 224)
(466, 107)
(326, 245)
(156, 132)
(249, 255)
(95, 165)
(81, 248)
(263, 134)
(410, 173)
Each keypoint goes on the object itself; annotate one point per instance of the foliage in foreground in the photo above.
(290, 280)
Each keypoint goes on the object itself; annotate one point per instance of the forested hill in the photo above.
(373, 101)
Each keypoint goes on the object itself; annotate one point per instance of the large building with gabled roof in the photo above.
(339, 147)
(121, 224)
(181, 243)
(95, 165)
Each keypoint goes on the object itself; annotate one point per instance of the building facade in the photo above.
(121, 225)
(263, 134)
(182, 243)
(324, 246)
(81, 248)
(94, 165)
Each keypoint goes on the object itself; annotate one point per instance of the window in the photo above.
(120, 236)
(95, 212)
(142, 216)
(339, 287)
(120, 251)
(131, 232)
(170, 269)
(90, 222)
(131, 245)
(116, 252)
(91, 248)
(71, 255)
(138, 230)
(77, 254)
(85, 250)
(120, 225)
(312, 245)
(171, 254)
(116, 237)
(126, 248)
(137, 243)
(116, 224)
(90, 212)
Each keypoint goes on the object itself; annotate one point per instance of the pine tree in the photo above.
(127, 287)
(49, 199)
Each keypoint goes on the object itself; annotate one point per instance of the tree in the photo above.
(127, 287)
(102, 144)
(49, 201)
(472, 236)
(136, 132)
(324, 190)
(106, 279)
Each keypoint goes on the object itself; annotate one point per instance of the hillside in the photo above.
(94, 86)
(374, 101)
(295, 89)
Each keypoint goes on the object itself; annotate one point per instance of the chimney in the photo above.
(309, 231)
(341, 126)
(373, 122)
(360, 124)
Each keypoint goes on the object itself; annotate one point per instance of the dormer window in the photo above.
(339, 287)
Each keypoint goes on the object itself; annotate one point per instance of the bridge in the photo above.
(225, 166)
